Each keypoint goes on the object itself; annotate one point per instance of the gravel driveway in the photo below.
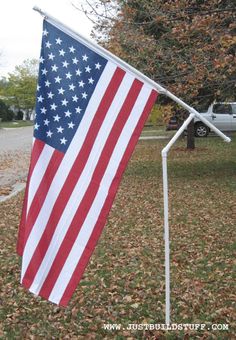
(15, 146)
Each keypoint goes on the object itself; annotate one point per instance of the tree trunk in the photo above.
(190, 136)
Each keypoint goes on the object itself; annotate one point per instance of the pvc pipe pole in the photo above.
(167, 240)
(166, 215)
(161, 90)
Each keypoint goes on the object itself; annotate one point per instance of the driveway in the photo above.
(15, 139)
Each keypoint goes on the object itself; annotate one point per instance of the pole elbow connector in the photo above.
(227, 139)
(164, 153)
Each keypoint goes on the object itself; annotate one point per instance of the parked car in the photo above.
(221, 115)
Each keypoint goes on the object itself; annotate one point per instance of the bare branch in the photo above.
(91, 12)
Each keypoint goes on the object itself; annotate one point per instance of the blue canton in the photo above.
(68, 75)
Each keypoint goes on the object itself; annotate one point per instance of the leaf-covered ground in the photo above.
(124, 282)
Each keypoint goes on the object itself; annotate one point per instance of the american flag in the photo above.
(89, 114)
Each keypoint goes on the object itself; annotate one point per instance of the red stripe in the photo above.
(35, 154)
(107, 205)
(92, 190)
(42, 191)
(72, 178)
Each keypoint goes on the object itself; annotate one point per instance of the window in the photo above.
(222, 109)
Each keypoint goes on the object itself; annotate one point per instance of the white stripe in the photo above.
(65, 166)
(91, 219)
(38, 173)
(82, 184)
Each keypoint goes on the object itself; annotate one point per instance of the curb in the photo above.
(18, 187)
(153, 137)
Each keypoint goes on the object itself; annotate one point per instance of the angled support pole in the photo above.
(164, 153)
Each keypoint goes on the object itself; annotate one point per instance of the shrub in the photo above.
(160, 114)
(19, 115)
(5, 113)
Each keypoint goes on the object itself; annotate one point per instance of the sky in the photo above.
(21, 28)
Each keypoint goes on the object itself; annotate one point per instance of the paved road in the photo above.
(15, 139)
(15, 147)
(21, 138)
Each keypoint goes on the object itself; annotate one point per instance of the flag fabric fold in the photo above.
(90, 112)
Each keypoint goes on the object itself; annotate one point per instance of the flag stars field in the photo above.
(69, 81)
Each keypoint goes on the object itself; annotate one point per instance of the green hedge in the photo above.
(6, 114)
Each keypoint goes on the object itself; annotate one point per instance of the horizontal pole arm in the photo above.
(212, 127)
(197, 114)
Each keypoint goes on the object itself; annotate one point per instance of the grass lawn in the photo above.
(16, 124)
(124, 282)
(157, 131)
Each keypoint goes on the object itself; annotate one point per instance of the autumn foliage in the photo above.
(187, 46)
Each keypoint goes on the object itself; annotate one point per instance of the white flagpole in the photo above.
(161, 90)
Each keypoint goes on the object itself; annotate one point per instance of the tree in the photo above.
(188, 46)
(20, 87)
